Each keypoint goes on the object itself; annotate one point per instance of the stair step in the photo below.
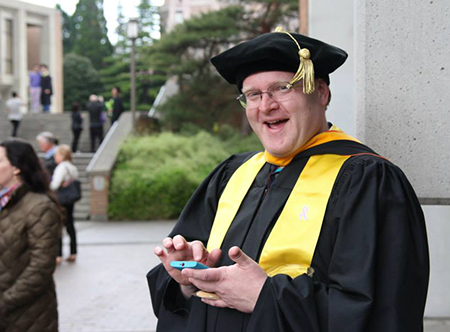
(60, 126)
(82, 208)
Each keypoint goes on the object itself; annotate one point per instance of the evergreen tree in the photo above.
(205, 99)
(68, 32)
(148, 21)
(91, 39)
(263, 16)
(80, 80)
(121, 32)
(117, 66)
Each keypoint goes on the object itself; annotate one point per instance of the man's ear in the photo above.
(323, 91)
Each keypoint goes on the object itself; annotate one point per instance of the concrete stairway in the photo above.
(82, 207)
(60, 126)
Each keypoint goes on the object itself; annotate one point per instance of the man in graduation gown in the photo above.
(316, 233)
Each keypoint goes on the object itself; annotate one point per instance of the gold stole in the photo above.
(291, 244)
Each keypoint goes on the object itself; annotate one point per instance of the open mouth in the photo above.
(276, 124)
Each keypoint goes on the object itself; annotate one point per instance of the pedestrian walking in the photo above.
(95, 109)
(118, 108)
(77, 125)
(30, 223)
(65, 173)
(13, 106)
(35, 88)
(47, 89)
(48, 143)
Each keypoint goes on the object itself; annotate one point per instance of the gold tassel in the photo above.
(305, 69)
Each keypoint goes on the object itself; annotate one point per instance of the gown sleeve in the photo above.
(195, 223)
(377, 276)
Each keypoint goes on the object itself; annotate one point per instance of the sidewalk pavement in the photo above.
(106, 289)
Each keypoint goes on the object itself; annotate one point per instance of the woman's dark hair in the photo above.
(22, 156)
(75, 106)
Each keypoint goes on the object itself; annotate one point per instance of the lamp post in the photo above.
(132, 33)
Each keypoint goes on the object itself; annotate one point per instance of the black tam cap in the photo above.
(308, 58)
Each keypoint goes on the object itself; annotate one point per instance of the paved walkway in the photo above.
(106, 289)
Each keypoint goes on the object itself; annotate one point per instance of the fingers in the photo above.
(179, 242)
(215, 303)
(205, 275)
(168, 245)
(162, 255)
(213, 257)
(198, 251)
(206, 282)
(239, 257)
(159, 251)
(179, 249)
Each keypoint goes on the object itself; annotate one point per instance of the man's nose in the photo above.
(267, 103)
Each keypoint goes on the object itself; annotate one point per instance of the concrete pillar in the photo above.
(57, 61)
(402, 80)
(99, 184)
(403, 110)
(332, 22)
(20, 41)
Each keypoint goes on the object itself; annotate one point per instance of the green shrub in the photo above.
(155, 175)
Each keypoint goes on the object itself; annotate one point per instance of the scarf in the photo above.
(5, 195)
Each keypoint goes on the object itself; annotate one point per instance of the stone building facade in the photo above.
(29, 35)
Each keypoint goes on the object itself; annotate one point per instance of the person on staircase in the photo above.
(77, 125)
(65, 173)
(14, 113)
(35, 88)
(46, 89)
(118, 107)
(95, 109)
(48, 143)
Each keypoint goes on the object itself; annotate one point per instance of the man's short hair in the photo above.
(14, 94)
(47, 137)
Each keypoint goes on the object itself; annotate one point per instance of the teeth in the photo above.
(272, 122)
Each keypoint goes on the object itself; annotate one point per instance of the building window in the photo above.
(9, 47)
(179, 16)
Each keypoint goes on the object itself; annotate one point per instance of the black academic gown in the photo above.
(371, 260)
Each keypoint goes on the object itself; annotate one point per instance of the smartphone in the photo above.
(180, 265)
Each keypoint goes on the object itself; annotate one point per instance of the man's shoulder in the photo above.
(233, 162)
(240, 158)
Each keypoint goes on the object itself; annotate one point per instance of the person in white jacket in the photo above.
(13, 106)
(65, 172)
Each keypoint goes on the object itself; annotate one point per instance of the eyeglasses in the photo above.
(278, 92)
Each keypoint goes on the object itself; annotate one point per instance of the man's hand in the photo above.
(178, 249)
(237, 285)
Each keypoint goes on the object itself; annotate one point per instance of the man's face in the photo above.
(44, 145)
(114, 92)
(284, 127)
